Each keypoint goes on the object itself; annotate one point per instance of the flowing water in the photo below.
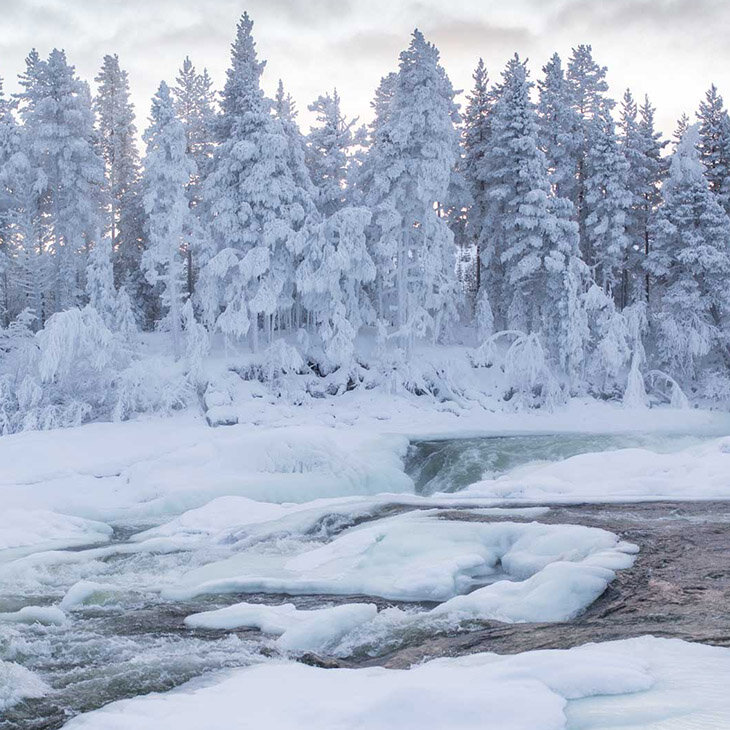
(136, 642)
(449, 465)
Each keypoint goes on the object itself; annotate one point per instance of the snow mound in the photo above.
(17, 684)
(698, 472)
(47, 615)
(24, 531)
(523, 571)
(634, 684)
(298, 630)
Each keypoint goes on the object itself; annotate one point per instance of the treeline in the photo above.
(550, 217)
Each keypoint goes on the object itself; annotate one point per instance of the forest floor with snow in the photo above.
(163, 573)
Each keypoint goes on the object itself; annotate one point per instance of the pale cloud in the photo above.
(671, 49)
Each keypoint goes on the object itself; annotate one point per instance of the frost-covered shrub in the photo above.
(525, 375)
(197, 345)
(665, 389)
(152, 385)
(609, 347)
(75, 370)
(61, 376)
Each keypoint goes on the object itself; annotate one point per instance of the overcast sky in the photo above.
(670, 49)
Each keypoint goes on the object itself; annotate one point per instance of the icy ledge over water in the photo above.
(641, 684)
(506, 571)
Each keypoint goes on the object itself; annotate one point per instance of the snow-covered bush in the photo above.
(525, 374)
(76, 369)
(152, 385)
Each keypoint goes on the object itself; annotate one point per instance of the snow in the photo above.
(141, 470)
(694, 473)
(642, 683)
(87, 593)
(23, 531)
(298, 630)
(17, 684)
(532, 571)
(47, 615)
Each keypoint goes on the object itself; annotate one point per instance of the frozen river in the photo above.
(117, 625)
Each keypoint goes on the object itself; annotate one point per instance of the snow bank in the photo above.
(24, 531)
(639, 684)
(17, 684)
(559, 569)
(698, 472)
(298, 630)
(146, 471)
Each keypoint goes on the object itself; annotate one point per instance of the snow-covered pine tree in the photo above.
(285, 112)
(475, 141)
(253, 206)
(23, 271)
(690, 266)
(679, 130)
(329, 145)
(642, 146)
(167, 171)
(532, 237)
(195, 108)
(588, 87)
(55, 107)
(100, 289)
(559, 129)
(117, 136)
(9, 143)
(714, 144)
(606, 205)
(653, 173)
(411, 160)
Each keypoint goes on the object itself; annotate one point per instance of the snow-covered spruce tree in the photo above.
(714, 144)
(55, 107)
(285, 112)
(475, 141)
(559, 129)
(253, 206)
(532, 237)
(606, 206)
(117, 135)
(167, 172)
(195, 108)
(588, 87)
(100, 289)
(329, 145)
(690, 266)
(679, 130)
(9, 148)
(411, 161)
(25, 270)
(642, 147)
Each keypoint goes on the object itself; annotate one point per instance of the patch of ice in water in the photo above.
(17, 684)
(558, 569)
